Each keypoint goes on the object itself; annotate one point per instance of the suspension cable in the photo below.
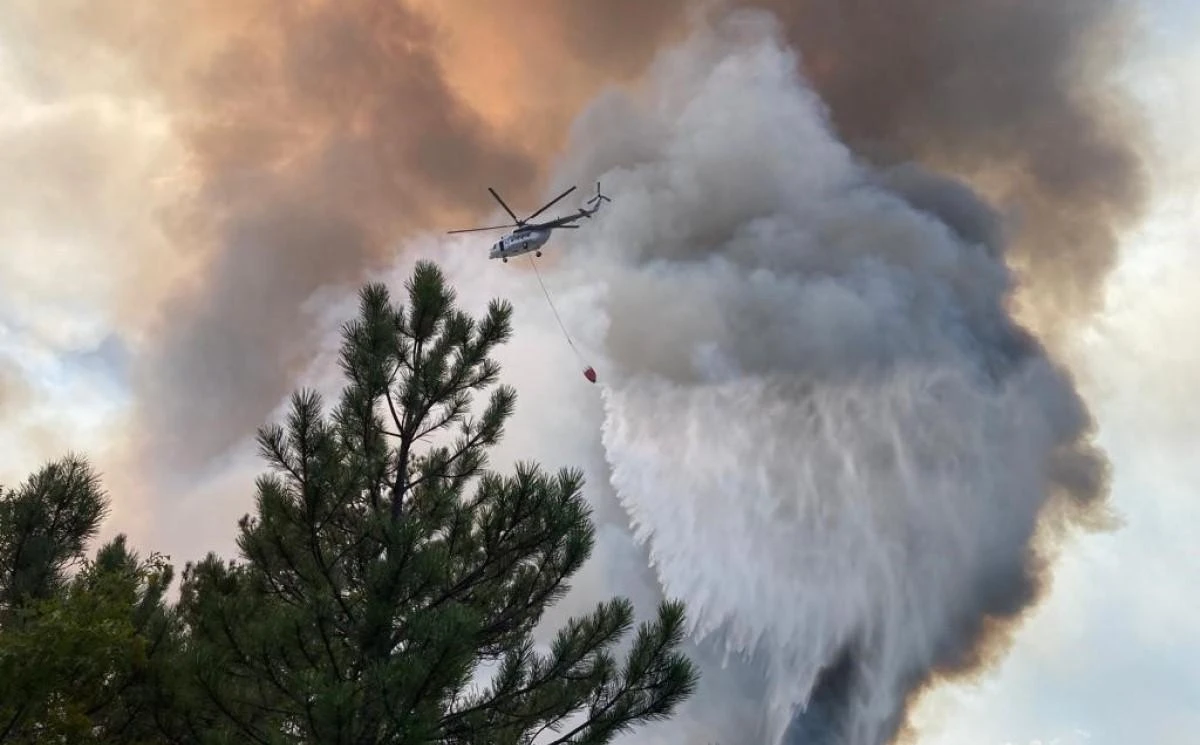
(587, 369)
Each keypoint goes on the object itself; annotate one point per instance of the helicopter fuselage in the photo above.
(530, 237)
(519, 242)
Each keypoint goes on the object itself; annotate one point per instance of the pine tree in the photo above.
(45, 526)
(390, 583)
(84, 654)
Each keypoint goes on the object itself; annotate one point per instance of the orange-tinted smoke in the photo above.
(530, 66)
(322, 132)
(317, 134)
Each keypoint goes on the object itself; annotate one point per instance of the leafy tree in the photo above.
(390, 584)
(82, 657)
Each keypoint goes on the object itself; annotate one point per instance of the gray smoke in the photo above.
(826, 430)
(313, 134)
(1017, 96)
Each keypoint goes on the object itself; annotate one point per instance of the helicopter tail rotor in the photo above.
(596, 200)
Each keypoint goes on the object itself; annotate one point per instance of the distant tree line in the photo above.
(386, 589)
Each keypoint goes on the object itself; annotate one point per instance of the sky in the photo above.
(1109, 656)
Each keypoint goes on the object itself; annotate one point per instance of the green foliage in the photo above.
(388, 587)
(80, 656)
(376, 583)
(44, 527)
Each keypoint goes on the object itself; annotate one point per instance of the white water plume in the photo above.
(819, 416)
(805, 520)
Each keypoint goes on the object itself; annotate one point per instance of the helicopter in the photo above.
(532, 236)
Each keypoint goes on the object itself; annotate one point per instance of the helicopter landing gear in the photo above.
(538, 254)
(504, 259)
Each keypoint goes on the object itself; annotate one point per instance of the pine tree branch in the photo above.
(333, 662)
(390, 714)
(12, 723)
(281, 592)
(415, 364)
(401, 479)
(452, 413)
(627, 689)
(246, 659)
(481, 573)
(128, 683)
(596, 640)
(310, 659)
(409, 428)
(292, 565)
(217, 701)
(427, 682)
(23, 536)
(395, 414)
(265, 660)
(272, 444)
(325, 569)
(470, 445)
(504, 624)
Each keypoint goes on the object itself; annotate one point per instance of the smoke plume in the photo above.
(312, 136)
(315, 135)
(322, 133)
(1017, 97)
(333, 133)
(826, 428)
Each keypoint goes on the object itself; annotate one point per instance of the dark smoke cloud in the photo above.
(1014, 95)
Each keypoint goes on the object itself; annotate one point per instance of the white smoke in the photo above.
(818, 417)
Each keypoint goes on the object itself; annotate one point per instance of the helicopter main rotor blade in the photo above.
(549, 204)
(517, 220)
(475, 230)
